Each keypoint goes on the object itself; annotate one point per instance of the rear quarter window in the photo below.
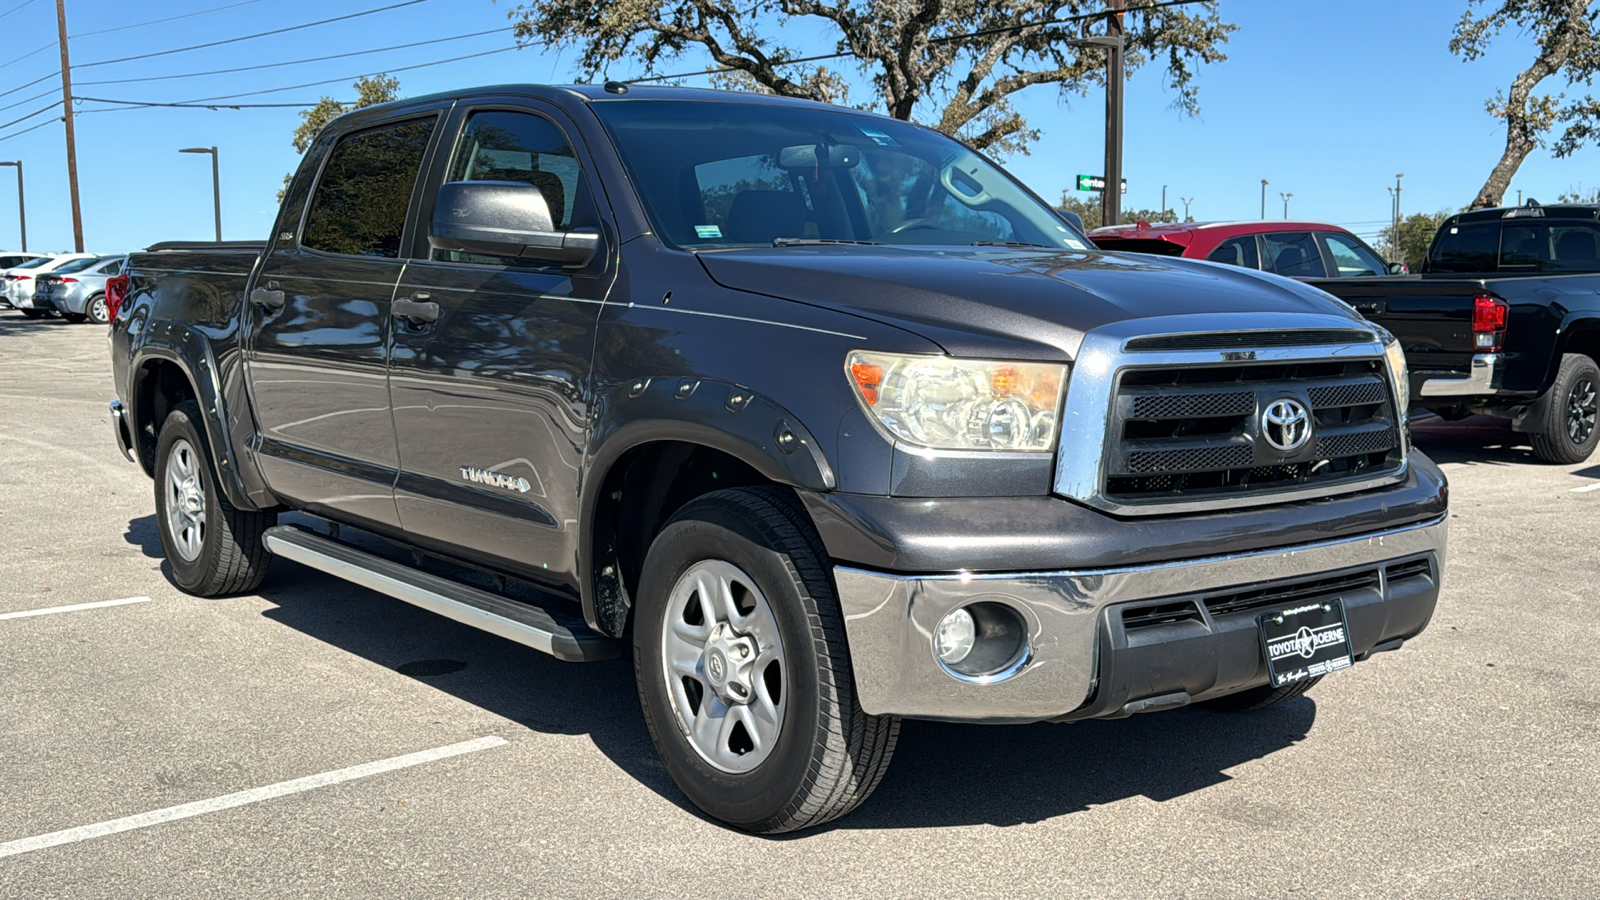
(1466, 248)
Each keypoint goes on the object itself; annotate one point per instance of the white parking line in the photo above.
(1587, 488)
(242, 798)
(52, 610)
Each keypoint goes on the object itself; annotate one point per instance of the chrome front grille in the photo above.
(1178, 432)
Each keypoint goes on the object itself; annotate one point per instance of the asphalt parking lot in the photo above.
(320, 740)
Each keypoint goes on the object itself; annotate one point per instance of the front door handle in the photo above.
(271, 300)
(417, 309)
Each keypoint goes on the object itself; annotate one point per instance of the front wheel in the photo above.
(1567, 434)
(743, 669)
(213, 547)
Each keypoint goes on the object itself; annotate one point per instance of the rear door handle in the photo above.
(268, 298)
(417, 309)
(1368, 307)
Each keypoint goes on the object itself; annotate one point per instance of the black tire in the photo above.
(226, 556)
(1261, 697)
(96, 310)
(828, 755)
(75, 318)
(35, 313)
(1568, 435)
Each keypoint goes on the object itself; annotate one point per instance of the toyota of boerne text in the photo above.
(820, 417)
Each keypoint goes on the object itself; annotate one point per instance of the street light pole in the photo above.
(216, 184)
(22, 204)
(1163, 201)
(1285, 203)
(1186, 202)
(1397, 178)
(1111, 198)
(1263, 198)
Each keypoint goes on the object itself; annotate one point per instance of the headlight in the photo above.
(960, 404)
(1398, 372)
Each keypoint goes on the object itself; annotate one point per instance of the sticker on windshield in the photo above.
(881, 138)
(707, 231)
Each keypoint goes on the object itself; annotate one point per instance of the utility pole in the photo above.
(1111, 205)
(72, 140)
(22, 204)
(1186, 202)
(1285, 203)
(1263, 199)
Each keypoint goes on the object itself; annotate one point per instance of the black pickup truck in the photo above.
(1503, 320)
(820, 417)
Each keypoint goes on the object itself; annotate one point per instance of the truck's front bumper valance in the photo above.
(1107, 642)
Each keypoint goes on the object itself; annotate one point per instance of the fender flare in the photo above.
(188, 352)
(719, 415)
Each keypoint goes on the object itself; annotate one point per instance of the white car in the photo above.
(10, 259)
(19, 282)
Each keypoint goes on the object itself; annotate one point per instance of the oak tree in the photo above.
(370, 91)
(955, 65)
(1568, 48)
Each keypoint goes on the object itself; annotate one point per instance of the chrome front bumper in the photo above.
(1478, 382)
(890, 621)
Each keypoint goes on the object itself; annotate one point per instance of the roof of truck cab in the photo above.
(598, 93)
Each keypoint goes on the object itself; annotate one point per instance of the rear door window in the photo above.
(1239, 251)
(1295, 254)
(360, 205)
(1351, 259)
(1550, 247)
(1466, 248)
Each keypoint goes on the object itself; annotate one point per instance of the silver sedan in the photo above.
(78, 289)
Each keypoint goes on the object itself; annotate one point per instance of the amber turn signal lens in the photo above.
(867, 377)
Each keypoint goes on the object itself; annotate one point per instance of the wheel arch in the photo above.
(162, 380)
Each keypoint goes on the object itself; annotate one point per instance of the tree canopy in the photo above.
(951, 64)
(370, 91)
(1568, 47)
(1410, 244)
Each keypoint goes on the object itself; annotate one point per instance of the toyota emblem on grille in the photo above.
(1286, 425)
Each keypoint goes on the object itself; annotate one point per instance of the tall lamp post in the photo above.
(1186, 202)
(22, 205)
(216, 183)
(1286, 203)
(1263, 198)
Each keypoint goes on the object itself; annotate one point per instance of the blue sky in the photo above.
(1327, 101)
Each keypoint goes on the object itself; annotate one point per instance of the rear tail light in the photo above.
(116, 292)
(1488, 323)
(65, 280)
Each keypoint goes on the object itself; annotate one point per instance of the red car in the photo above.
(1293, 249)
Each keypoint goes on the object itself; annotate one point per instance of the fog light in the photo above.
(953, 640)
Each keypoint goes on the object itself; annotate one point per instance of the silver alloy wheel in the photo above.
(1581, 410)
(186, 500)
(97, 309)
(723, 659)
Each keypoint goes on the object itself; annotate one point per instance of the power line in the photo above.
(15, 8)
(296, 62)
(30, 84)
(24, 131)
(944, 39)
(167, 19)
(125, 105)
(42, 48)
(211, 101)
(30, 115)
(27, 100)
(248, 37)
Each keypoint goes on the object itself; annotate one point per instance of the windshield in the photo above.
(717, 175)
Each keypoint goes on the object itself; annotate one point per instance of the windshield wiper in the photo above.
(803, 242)
(1013, 244)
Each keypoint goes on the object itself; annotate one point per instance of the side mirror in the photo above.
(505, 218)
(1399, 268)
(1073, 219)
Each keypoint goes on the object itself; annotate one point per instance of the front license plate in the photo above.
(1305, 641)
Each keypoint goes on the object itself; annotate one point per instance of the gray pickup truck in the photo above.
(821, 417)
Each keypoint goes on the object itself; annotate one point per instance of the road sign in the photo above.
(1097, 183)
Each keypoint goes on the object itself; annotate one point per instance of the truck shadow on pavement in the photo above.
(943, 774)
(1476, 440)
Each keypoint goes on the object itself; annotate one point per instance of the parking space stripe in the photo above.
(243, 798)
(1586, 488)
(52, 610)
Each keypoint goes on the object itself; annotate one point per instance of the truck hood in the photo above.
(1023, 304)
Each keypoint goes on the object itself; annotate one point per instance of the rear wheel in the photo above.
(743, 670)
(1568, 434)
(213, 547)
(1261, 697)
(35, 313)
(97, 311)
